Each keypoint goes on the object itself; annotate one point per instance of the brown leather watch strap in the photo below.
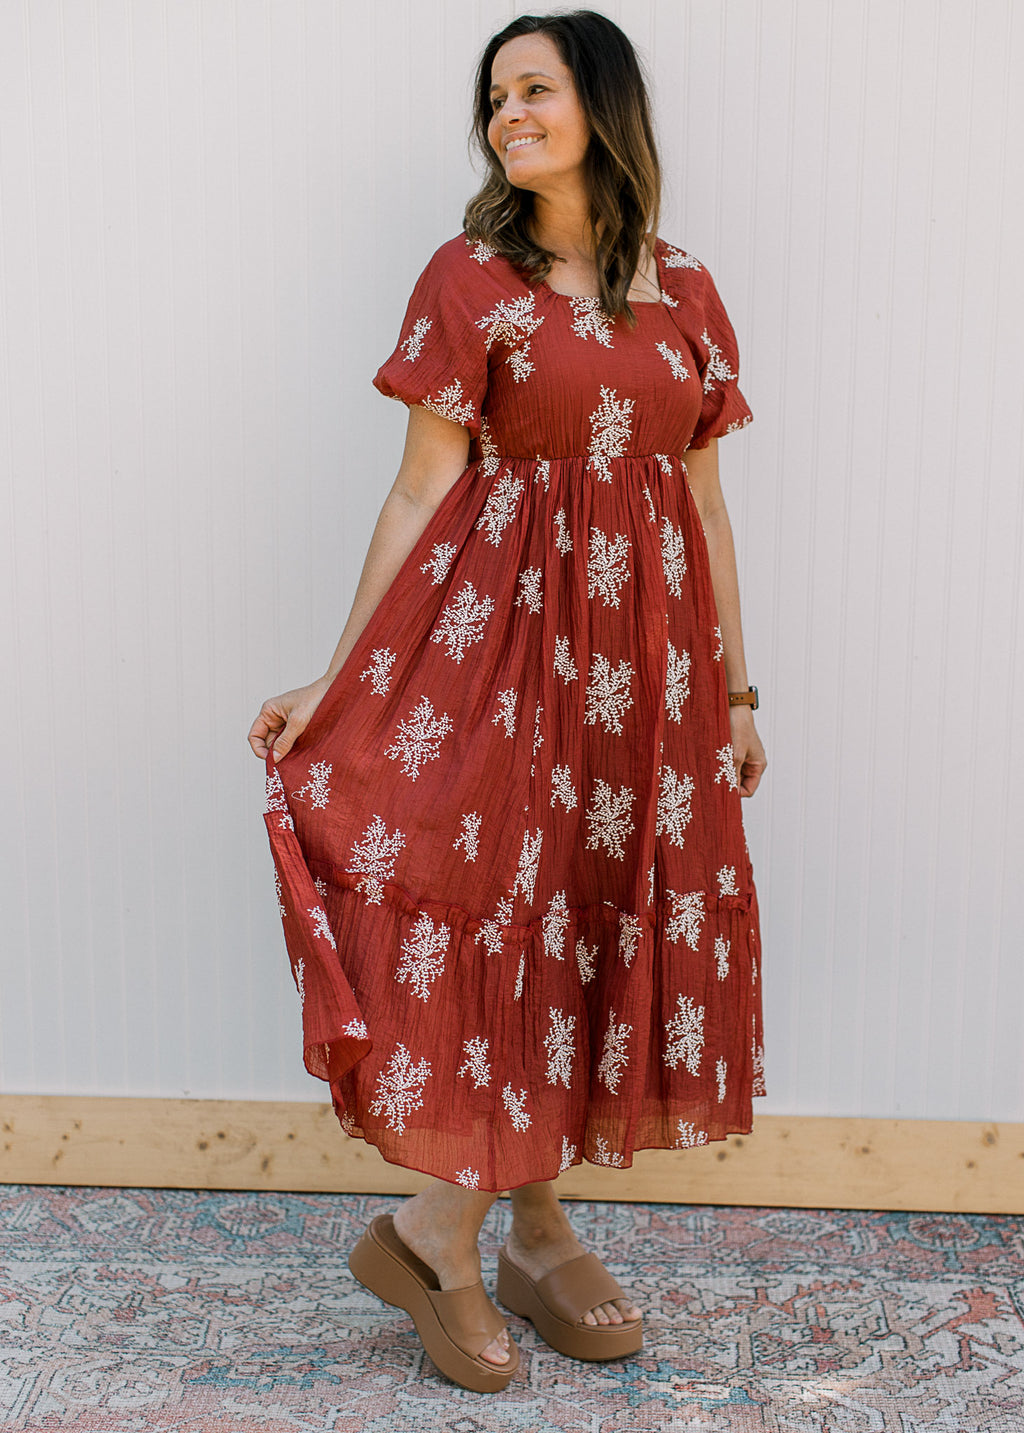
(745, 699)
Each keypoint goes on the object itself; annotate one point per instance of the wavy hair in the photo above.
(621, 165)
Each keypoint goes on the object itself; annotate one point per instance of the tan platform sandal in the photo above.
(556, 1303)
(454, 1325)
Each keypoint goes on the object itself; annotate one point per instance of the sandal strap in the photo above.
(469, 1317)
(576, 1286)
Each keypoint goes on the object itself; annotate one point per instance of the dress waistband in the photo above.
(598, 461)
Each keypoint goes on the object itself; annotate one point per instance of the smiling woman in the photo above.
(565, 104)
(515, 888)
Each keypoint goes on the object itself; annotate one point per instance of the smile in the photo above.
(518, 143)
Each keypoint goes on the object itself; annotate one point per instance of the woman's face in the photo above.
(537, 126)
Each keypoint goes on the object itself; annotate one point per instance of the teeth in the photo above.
(518, 143)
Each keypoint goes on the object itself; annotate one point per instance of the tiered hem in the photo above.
(523, 1122)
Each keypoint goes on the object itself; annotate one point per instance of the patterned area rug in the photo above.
(131, 1310)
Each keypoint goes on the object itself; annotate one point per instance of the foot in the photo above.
(541, 1239)
(440, 1225)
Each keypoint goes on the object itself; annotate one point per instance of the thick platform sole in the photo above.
(518, 1293)
(378, 1269)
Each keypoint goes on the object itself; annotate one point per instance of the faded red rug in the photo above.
(125, 1311)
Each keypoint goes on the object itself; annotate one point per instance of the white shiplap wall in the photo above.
(211, 214)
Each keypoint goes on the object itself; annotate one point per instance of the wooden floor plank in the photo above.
(806, 1162)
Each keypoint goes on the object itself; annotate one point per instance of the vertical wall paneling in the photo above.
(211, 216)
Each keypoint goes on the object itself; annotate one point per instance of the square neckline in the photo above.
(659, 302)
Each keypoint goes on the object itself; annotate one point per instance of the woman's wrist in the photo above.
(744, 696)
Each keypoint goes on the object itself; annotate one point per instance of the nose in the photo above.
(512, 111)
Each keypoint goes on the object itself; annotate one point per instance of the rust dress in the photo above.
(510, 859)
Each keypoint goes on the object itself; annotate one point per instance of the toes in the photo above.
(497, 1350)
(616, 1312)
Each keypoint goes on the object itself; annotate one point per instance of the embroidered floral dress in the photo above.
(510, 858)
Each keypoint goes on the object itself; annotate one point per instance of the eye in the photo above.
(496, 103)
(536, 87)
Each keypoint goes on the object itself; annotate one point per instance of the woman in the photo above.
(506, 821)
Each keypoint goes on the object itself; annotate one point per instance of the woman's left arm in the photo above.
(702, 470)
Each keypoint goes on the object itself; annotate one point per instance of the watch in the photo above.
(745, 699)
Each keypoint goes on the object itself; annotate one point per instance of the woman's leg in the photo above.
(541, 1238)
(441, 1225)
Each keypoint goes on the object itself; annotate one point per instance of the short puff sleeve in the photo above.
(705, 325)
(441, 359)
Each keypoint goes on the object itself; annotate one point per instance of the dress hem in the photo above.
(345, 1120)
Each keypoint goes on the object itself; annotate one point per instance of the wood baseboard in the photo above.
(806, 1162)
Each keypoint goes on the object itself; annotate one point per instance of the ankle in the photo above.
(436, 1218)
(534, 1229)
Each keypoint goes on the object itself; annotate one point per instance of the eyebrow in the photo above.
(530, 74)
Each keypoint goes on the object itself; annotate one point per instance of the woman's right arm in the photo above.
(434, 458)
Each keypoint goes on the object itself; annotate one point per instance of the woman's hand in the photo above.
(747, 751)
(283, 719)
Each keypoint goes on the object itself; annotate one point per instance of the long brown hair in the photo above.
(622, 169)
